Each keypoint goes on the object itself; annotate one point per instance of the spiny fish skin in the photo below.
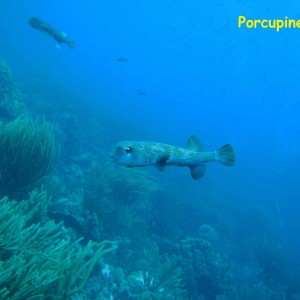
(139, 153)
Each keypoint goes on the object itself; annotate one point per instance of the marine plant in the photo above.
(27, 153)
(39, 261)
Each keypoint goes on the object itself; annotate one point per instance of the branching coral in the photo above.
(27, 153)
(38, 261)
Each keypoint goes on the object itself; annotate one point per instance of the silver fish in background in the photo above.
(60, 37)
(139, 154)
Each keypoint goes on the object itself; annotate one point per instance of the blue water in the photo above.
(188, 70)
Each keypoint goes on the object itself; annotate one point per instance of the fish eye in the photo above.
(128, 149)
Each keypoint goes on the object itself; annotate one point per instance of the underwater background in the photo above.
(158, 71)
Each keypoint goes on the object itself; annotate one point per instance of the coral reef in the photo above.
(39, 261)
(27, 153)
(177, 243)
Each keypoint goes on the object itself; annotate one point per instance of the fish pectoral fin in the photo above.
(198, 171)
(194, 144)
(161, 162)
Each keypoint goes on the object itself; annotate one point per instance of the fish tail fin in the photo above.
(198, 171)
(226, 155)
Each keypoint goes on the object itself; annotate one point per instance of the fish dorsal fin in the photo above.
(198, 171)
(161, 162)
(194, 144)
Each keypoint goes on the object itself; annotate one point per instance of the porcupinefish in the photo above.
(139, 154)
(60, 37)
